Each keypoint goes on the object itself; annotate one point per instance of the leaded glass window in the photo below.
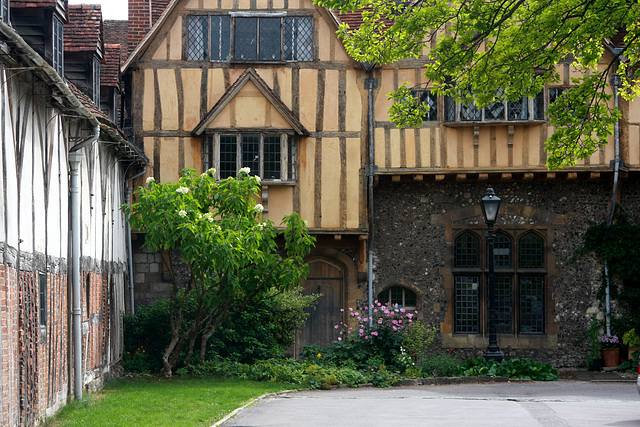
(467, 313)
(519, 283)
(430, 100)
(518, 109)
(96, 81)
(522, 109)
(249, 38)
(531, 251)
(270, 156)
(531, 304)
(58, 46)
(467, 251)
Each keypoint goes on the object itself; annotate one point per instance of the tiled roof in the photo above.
(354, 18)
(157, 7)
(19, 4)
(83, 31)
(88, 103)
(110, 69)
(115, 32)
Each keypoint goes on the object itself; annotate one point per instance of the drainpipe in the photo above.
(370, 85)
(127, 192)
(614, 196)
(75, 159)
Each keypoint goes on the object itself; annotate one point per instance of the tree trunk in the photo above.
(203, 343)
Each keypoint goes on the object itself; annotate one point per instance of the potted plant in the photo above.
(609, 345)
(632, 340)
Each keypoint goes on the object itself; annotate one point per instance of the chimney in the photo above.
(142, 15)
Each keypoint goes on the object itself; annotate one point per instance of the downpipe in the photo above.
(75, 160)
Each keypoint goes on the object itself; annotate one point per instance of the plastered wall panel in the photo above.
(353, 182)
(191, 85)
(410, 148)
(331, 94)
(168, 99)
(379, 147)
(502, 147)
(634, 145)
(216, 86)
(307, 178)
(280, 203)
(148, 104)
(169, 154)
(308, 98)
(325, 35)
(330, 183)
(284, 82)
(354, 109)
(382, 104)
(175, 46)
(161, 51)
(395, 148)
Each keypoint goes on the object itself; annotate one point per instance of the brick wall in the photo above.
(9, 374)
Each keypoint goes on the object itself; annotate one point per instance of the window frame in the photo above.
(57, 59)
(515, 273)
(212, 155)
(96, 80)
(404, 290)
(297, 54)
(420, 95)
(42, 300)
(536, 112)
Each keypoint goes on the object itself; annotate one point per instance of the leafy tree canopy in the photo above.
(487, 50)
(232, 255)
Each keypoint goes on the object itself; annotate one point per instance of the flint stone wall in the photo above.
(411, 250)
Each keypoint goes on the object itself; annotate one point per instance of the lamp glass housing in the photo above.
(490, 205)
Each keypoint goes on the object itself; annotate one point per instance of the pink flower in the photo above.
(336, 326)
(366, 337)
(395, 329)
(350, 309)
(342, 310)
(339, 338)
(374, 333)
(402, 310)
(380, 321)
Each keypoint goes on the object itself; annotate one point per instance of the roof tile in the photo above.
(83, 31)
(110, 70)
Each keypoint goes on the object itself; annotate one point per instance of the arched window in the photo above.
(400, 295)
(520, 276)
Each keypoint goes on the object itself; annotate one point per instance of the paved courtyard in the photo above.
(580, 403)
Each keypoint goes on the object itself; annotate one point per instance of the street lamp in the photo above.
(490, 205)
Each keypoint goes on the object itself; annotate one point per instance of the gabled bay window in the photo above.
(520, 276)
(242, 36)
(271, 156)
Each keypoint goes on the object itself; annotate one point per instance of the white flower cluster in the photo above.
(182, 190)
(212, 171)
(208, 216)
(262, 225)
(257, 178)
(150, 180)
(258, 207)
(182, 213)
(246, 170)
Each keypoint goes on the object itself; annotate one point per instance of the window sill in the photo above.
(277, 182)
(494, 123)
(505, 340)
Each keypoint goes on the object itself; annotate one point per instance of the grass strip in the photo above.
(162, 402)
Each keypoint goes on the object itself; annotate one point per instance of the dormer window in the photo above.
(58, 46)
(96, 81)
(246, 37)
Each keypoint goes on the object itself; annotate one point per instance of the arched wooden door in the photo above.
(327, 279)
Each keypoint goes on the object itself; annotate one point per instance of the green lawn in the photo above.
(162, 402)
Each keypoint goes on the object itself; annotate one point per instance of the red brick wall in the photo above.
(9, 373)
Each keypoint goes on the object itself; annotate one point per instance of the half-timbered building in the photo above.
(268, 85)
(63, 252)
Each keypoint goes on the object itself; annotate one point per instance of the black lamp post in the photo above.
(490, 205)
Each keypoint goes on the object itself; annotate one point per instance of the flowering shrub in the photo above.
(376, 339)
(608, 341)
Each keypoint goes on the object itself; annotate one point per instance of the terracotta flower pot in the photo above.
(611, 357)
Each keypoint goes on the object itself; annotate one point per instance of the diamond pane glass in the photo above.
(517, 110)
(449, 109)
(531, 304)
(470, 112)
(466, 253)
(531, 251)
(251, 152)
(501, 251)
(538, 106)
(494, 111)
(220, 38)
(228, 156)
(272, 157)
(298, 39)
(504, 304)
(246, 38)
(197, 29)
(466, 304)
(431, 101)
(555, 93)
(270, 39)
(58, 45)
